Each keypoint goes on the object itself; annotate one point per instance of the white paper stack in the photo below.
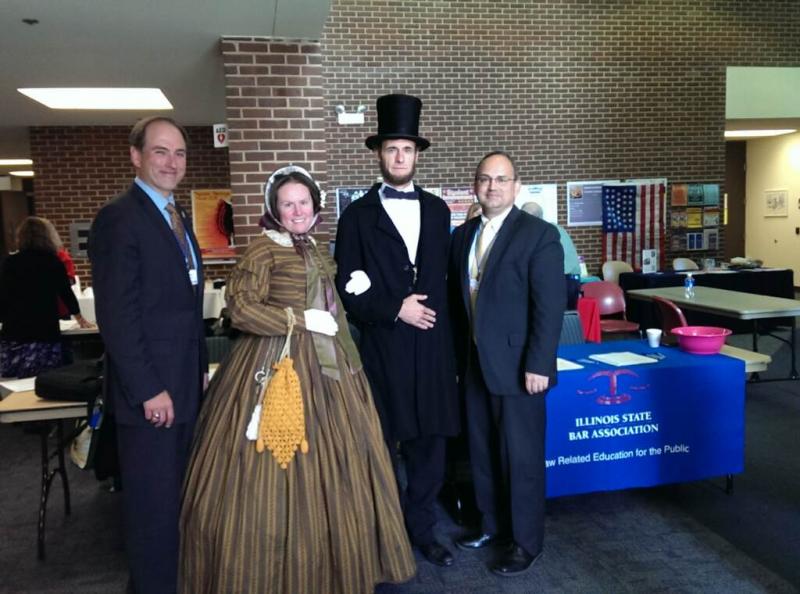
(565, 365)
(622, 359)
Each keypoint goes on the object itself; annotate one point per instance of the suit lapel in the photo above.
(165, 231)
(426, 227)
(382, 220)
(187, 225)
(500, 244)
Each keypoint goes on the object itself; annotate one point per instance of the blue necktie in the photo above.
(390, 192)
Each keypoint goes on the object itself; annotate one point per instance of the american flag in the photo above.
(633, 220)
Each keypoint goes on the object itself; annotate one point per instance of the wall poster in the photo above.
(711, 239)
(711, 217)
(344, 196)
(694, 218)
(680, 193)
(545, 195)
(695, 241)
(458, 200)
(585, 202)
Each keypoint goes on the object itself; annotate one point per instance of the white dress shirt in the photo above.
(405, 215)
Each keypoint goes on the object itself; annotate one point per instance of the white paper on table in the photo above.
(68, 325)
(24, 384)
(622, 358)
(565, 365)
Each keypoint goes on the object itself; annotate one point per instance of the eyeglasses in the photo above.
(500, 180)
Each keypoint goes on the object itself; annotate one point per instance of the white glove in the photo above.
(319, 320)
(359, 283)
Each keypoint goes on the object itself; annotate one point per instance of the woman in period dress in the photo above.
(330, 522)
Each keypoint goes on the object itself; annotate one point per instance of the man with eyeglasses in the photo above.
(391, 252)
(507, 296)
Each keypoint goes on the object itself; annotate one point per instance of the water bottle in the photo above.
(688, 286)
(96, 418)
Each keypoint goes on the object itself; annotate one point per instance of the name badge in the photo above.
(193, 276)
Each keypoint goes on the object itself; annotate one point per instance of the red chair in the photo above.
(610, 301)
(671, 317)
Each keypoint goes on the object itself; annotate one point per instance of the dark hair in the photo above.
(294, 176)
(495, 154)
(36, 233)
(139, 131)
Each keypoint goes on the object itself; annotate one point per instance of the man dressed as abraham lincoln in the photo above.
(391, 251)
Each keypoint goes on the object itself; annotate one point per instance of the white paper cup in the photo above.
(654, 337)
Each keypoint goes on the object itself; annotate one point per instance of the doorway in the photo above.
(735, 184)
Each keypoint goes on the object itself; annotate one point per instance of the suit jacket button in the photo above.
(410, 289)
(406, 268)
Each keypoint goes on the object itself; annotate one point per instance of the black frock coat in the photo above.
(411, 371)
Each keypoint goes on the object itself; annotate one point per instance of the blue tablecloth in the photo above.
(680, 419)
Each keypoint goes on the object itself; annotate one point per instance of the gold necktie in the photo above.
(476, 265)
(476, 268)
(180, 234)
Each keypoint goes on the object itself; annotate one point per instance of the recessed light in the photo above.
(756, 133)
(13, 162)
(99, 98)
(21, 173)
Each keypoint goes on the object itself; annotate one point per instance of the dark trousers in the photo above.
(506, 446)
(424, 461)
(152, 462)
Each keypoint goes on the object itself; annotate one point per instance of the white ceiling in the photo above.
(169, 44)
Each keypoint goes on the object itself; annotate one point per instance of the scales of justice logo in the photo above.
(615, 393)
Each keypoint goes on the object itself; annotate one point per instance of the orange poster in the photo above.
(212, 219)
(680, 194)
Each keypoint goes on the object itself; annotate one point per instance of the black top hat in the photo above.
(398, 117)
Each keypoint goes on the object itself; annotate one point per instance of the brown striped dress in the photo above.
(331, 522)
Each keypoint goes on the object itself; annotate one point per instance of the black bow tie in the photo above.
(390, 192)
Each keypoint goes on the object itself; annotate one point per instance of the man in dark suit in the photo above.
(148, 285)
(391, 251)
(507, 294)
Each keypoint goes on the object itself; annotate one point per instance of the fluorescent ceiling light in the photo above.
(13, 162)
(99, 98)
(755, 133)
(22, 173)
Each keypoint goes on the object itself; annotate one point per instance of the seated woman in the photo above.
(325, 517)
(31, 283)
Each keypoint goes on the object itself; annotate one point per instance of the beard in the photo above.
(394, 180)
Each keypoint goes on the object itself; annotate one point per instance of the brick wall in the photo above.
(78, 169)
(575, 90)
(274, 113)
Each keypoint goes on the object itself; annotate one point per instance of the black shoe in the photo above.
(436, 554)
(514, 561)
(472, 542)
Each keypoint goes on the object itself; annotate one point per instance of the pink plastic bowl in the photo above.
(701, 340)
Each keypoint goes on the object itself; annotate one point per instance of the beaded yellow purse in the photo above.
(282, 429)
